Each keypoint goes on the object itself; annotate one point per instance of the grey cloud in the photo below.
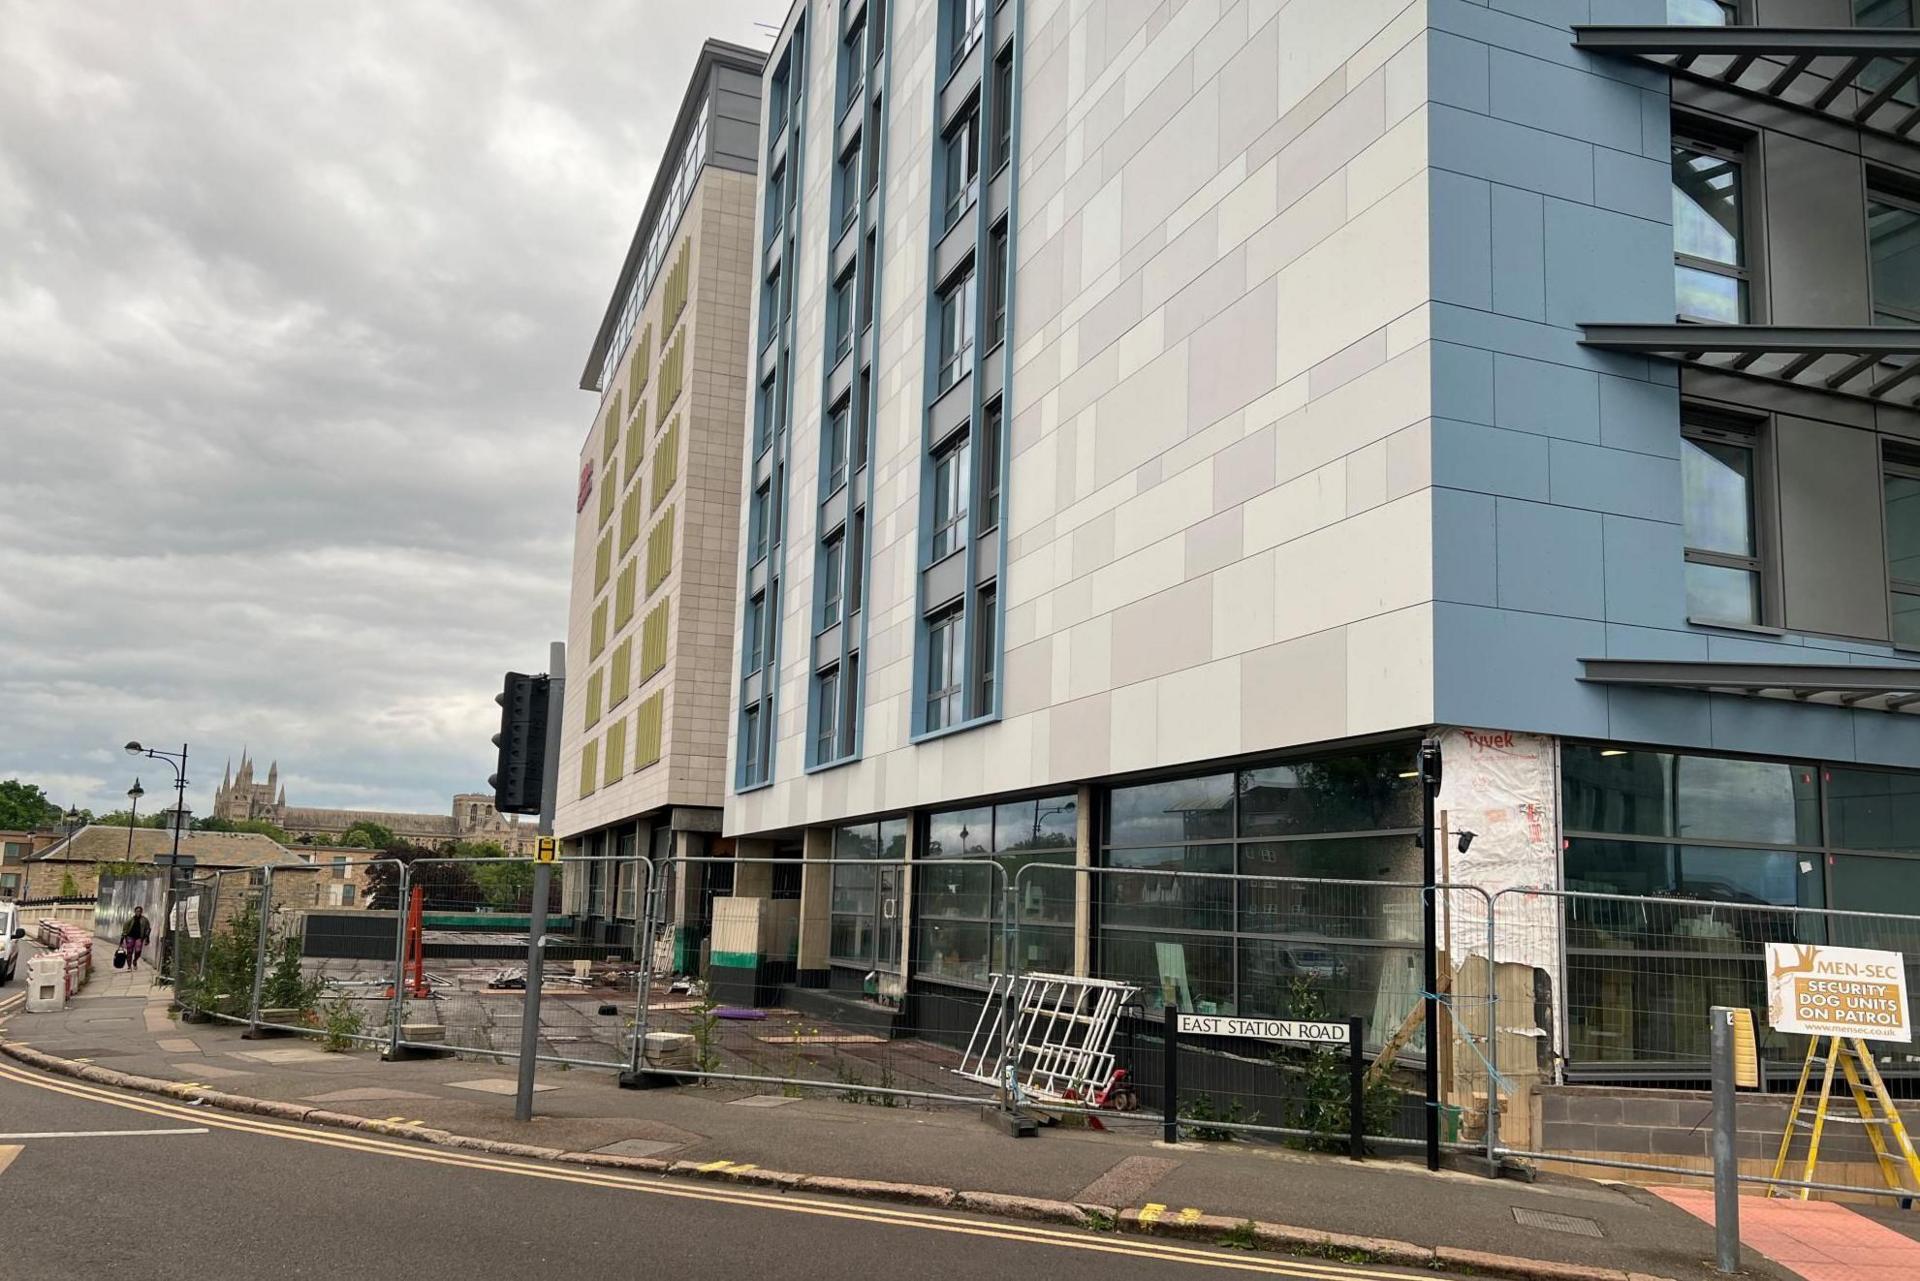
(293, 303)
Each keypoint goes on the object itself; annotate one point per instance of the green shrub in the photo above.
(341, 1025)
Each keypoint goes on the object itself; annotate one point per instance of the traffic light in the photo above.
(520, 783)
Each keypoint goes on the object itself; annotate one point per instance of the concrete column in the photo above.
(816, 900)
(1083, 884)
(753, 880)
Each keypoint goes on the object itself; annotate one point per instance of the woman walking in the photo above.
(133, 939)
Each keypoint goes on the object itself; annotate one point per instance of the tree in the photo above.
(119, 819)
(449, 883)
(368, 835)
(24, 807)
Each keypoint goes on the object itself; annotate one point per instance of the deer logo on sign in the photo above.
(1802, 963)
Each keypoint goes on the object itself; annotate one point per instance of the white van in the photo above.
(10, 936)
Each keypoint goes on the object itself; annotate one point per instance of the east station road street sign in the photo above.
(1320, 1033)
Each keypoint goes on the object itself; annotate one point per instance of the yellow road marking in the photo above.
(888, 1216)
(1151, 1212)
(1188, 1215)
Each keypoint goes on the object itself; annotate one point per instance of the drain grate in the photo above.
(1545, 1219)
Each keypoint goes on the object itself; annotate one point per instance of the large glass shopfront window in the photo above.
(1274, 947)
(864, 924)
(1715, 852)
(960, 900)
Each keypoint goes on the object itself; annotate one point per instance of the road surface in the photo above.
(97, 1182)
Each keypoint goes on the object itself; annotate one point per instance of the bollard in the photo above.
(1170, 1088)
(1726, 1165)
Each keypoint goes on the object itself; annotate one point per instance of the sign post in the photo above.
(542, 890)
(1726, 1162)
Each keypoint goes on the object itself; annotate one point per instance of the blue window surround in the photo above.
(1000, 15)
(869, 218)
(790, 129)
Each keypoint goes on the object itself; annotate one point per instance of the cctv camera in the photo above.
(1466, 841)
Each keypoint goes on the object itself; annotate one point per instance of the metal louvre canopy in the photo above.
(1872, 688)
(1869, 361)
(1815, 69)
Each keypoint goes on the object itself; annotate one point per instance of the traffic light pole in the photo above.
(542, 884)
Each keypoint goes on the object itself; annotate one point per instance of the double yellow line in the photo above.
(1134, 1247)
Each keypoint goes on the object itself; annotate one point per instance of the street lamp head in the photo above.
(73, 814)
(135, 792)
(134, 748)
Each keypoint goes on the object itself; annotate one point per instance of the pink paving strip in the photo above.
(1820, 1240)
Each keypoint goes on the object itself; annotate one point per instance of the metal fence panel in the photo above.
(460, 983)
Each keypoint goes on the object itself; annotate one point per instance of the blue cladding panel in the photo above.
(1615, 480)
(1546, 399)
(1643, 417)
(1646, 581)
(1462, 233)
(1464, 553)
(1514, 670)
(1488, 460)
(1550, 559)
(1520, 265)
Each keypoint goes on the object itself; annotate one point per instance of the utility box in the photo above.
(736, 972)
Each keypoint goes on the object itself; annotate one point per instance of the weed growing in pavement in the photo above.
(1203, 1109)
(341, 1025)
(1101, 1221)
(1238, 1237)
(706, 1026)
(1324, 1102)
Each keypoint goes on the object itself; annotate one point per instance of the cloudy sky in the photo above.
(293, 305)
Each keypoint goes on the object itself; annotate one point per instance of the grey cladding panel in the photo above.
(1816, 235)
(735, 141)
(1832, 566)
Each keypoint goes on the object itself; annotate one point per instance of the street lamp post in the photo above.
(178, 760)
(134, 794)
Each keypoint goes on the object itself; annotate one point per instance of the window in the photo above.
(1885, 13)
(856, 66)
(759, 516)
(836, 446)
(833, 558)
(873, 152)
(753, 749)
(1893, 234)
(1717, 467)
(985, 652)
(856, 563)
(877, 14)
(997, 282)
(1002, 112)
(849, 187)
(962, 167)
(826, 712)
(776, 204)
(1903, 547)
(950, 480)
(956, 329)
(850, 704)
(1710, 275)
(346, 896)
(1702, 13)
(943, 670)
(865, 901)
(990, 468)
(969, 20)
(753, 649)
(862, 425)
(961, 905)
(840, 315)
(1247, 947)
(866, 283)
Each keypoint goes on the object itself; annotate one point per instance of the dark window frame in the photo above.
(1700, 139)
(1752, 435)
(944, 703)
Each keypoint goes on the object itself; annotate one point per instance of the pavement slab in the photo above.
(497, 1085)
(1817, 1240)
(365, 1094)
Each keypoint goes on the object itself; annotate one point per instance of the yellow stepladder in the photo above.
(1874, 1111)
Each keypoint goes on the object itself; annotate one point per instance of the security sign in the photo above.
(1318, 1033)
(546, 850)
(1837, 991)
